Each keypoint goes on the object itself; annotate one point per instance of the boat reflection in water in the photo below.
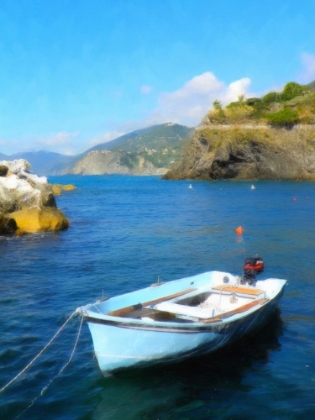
(195, 386)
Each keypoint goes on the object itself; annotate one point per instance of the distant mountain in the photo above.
(154, 137)
(42, 162)
(311, 85)
(147, 151)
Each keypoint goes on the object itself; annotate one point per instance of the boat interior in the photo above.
(195, 305)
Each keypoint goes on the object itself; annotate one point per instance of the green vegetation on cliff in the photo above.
(294, 105)
(286, 117)
(272, 137)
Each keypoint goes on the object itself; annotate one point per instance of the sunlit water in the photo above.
(125, 232)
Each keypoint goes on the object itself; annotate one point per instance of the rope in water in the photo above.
(40, 353)
(59, 373)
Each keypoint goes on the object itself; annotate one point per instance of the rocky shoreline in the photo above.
(27, 201)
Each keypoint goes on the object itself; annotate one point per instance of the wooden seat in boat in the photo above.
(240, 289)
(126, 311)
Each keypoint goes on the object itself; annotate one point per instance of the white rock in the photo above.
(16, 166)
(20, 189)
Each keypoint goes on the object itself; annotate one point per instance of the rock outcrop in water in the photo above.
(246, 153)
(58, 188)
(27, 202)
(272, 137)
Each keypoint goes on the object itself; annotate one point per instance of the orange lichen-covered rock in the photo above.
(58, 188)
(33, 220)
(27, 201)
(68, 187)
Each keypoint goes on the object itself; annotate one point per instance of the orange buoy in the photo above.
(239, 230)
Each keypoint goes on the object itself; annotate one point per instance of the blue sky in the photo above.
(75, 73)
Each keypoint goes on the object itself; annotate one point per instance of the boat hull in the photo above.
(123, 344)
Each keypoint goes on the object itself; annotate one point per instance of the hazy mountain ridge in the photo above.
(155, 136)
(41, 162)
(142, 152)
(105, 162)
(145, 151)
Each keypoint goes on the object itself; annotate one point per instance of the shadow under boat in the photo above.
(157, 390)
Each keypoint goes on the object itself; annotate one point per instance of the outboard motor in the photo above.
(252, 266)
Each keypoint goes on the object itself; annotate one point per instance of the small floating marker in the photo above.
(252, 187)
(239, 230)
(190, 186)
(306, 198)
(294, 198)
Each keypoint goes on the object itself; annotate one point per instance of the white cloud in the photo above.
(189, 104)
(308, 73)
(145, 90)
(235, 89)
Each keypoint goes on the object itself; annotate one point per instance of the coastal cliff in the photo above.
(248, 153)
(259, 138)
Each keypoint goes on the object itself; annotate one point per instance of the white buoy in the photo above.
(253, 187)
(190, 186)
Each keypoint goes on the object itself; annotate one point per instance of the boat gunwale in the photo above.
(190, 327)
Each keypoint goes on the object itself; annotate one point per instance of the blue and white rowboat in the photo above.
(169, 322)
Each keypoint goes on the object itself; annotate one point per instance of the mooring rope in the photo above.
(68, 362)
(40, 353)
(60, 371)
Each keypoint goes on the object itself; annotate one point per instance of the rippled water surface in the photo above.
(125, 232)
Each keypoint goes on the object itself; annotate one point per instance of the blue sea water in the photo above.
(125, 232)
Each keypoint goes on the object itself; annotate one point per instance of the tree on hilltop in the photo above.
(291, 90)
